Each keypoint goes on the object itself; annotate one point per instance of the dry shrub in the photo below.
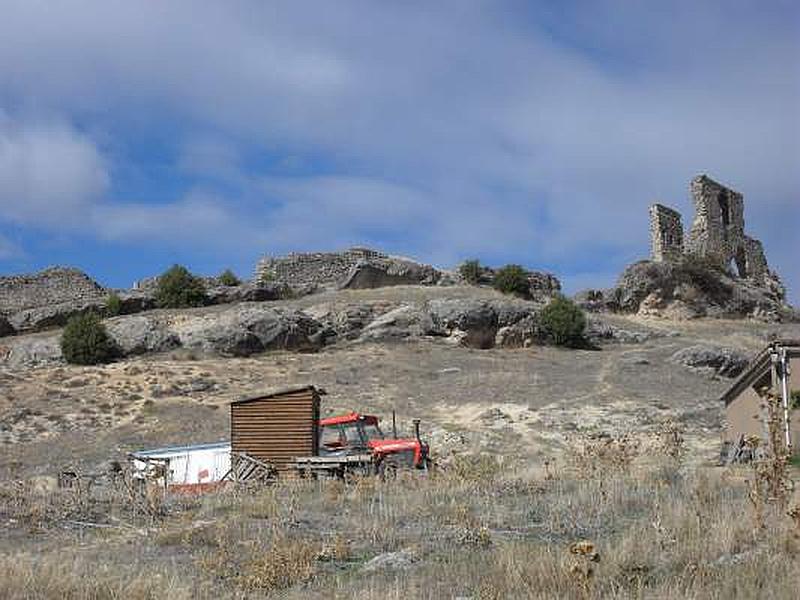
(283, 563)
(602, 454)
(257, 563)
(769, 485)
(474, 468)
(339, 549)
(477, 537)
(670, 441)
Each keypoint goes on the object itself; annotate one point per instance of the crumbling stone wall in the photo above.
(666, 233)
(334, 269)
(717, 233)
(56, 285)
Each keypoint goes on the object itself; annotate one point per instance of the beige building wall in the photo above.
(746, 413)
(745, 416)
(794, 384)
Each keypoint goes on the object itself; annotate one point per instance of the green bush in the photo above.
(178, 288)
(471, 271)
(228, 278)
(563, 321)
(113, 304)
(512, 279)
(85, 341)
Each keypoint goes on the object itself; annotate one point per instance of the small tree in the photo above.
(563, 321)
(512, 279)
(228, 278)
(113, 304)
(471, 271)
(178, 288)
(85, 341)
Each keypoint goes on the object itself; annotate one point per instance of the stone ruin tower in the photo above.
(666, 233)
(717, 232)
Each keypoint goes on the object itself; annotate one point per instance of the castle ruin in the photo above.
(717, 232)
(349, 268)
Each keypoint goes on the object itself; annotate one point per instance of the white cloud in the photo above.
(197, 221)
(513, 130)
(49, 173)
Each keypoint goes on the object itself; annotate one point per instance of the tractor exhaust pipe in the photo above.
(416, 430)
(394, 425)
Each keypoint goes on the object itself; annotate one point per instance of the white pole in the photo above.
(784, 362)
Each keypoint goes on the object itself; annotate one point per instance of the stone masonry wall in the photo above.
(717, 232)
(666, 233)
(56, 285)
(331, 269)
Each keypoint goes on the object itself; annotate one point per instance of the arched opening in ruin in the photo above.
(724, 208)
(741, 262)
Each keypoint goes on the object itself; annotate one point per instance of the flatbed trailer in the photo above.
(335, 466)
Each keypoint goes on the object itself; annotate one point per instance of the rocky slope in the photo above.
(690, 289)
(477, 319)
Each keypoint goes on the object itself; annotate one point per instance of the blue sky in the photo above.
(134, 135)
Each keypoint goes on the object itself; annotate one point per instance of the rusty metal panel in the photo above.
(277, 428)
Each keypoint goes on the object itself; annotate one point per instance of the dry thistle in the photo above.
(670, 440)
(581, 566)
(794, 514)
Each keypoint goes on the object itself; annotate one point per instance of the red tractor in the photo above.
(354, 434)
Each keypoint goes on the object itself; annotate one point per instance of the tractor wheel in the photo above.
(387, 469)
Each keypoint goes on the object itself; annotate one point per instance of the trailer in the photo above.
(193, 468)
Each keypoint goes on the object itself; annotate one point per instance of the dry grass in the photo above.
(25, 577)
(633, 523)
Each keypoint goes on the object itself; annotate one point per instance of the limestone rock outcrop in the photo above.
(722, 361)
(249, 328)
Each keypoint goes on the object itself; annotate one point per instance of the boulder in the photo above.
(32, 351)
(245, 329)
(141, 334)
(390, 561)
(52, 315)
(384, 273)
(476, 323)
(722, 361)
(135, 301)
(6, 328)
(599, 332)
(400, 323)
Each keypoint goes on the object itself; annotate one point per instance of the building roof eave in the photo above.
(759, 366)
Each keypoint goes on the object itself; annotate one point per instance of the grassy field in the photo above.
(619, 518)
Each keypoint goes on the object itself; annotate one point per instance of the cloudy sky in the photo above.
(134, 135)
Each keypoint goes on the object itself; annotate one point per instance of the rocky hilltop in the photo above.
(39, 301)
(688, 289)
(715, 270)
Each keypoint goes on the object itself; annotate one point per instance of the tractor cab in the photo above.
(353, 433)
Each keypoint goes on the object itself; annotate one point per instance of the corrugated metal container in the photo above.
(277, 427)
(198, 465)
